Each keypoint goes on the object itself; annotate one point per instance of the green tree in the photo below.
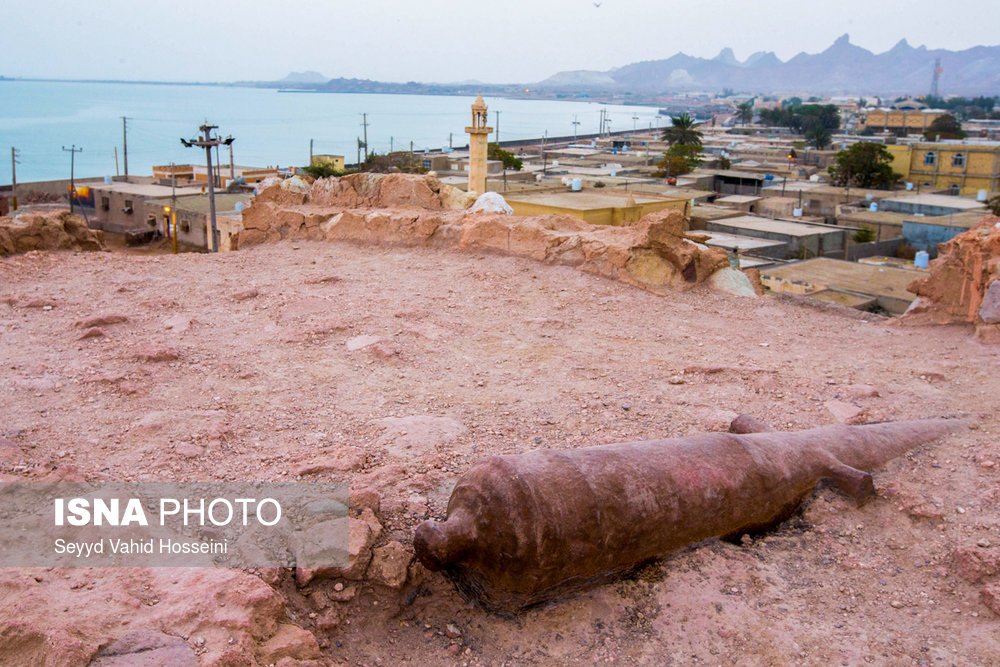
(682, 130)
(818, 136)
(678, 160)
(865, 165)
(510, 161)
(744, 111)
(321, 170)
(993, 203)
(944, 127)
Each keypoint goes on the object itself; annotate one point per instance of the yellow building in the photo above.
(912, 120)
(939, 165)
(333, 161)
(597, 208)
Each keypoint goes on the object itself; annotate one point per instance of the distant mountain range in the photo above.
(842, 68)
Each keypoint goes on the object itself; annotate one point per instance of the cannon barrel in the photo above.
(531, 527)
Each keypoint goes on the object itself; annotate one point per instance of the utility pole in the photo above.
(575, 124)
(310, 152)
(634, 118)
(173, 202)
(207, 141)
(72, 164)
(449, 141)
(364, 124)
(13, 175)
(232, 165)
(125, 145)
(359, 153)
(545, 164)
(497, 131)
(391, 145)
(600, 127)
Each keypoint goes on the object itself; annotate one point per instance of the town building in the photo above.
(604, 207)
(966, 166)
(801, 239)
(900, 120)
(859, 285)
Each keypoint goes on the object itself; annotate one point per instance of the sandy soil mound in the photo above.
(396, 369)
(60, 230)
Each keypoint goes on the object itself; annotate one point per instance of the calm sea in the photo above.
(39, 118)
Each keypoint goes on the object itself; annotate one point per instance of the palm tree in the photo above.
(745, 111)
(682, 131)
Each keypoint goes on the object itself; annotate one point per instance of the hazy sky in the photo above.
(503, 41)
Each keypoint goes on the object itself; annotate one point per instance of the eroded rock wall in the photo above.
(60, 230)
(398, 209)
(964, 283)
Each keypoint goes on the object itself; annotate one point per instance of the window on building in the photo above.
(105, 203)
(128, 206)
(930, 158)
(958, 160)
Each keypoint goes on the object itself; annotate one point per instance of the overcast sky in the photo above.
(504, 41)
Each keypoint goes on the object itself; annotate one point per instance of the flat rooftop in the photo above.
(743, 243)
(783, 227)
(823, 272)
(583, 200)
(737, 199)
(944, 201)
(146, 190)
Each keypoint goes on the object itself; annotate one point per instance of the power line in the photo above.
(207, 141)
(72, 164)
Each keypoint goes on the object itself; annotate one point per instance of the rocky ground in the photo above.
(398, 369)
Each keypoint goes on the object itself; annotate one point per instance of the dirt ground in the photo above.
(260, 364)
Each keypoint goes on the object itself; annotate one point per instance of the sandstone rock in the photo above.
(156, 353)
(245, 294)
(845, 413)
(100, 321)
(342, 459)
(60, 230)
(290, 641)
(455, 199)
(93, 332)
(861, 391)
(365, 498)
(960, 278)
(491, 202)
(363, 532)
(389, 564)
(989, 311)
(731, 281)
(974, 564)
(146, 648)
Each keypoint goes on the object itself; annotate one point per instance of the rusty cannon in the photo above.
(528, 528)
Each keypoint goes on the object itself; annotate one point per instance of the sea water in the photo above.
(271, 128)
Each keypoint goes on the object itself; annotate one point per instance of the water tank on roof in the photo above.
(107, 180)
(576, 185)
(909, 185)
(982, 195)
(921, 259)
(873, 207)
(239, 206)
(797, 212)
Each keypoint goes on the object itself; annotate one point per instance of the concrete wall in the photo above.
(826, 244)
(887, 248)
(110, 212)
(925, 236)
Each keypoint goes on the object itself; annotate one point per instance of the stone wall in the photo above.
(398, 209)
(60, 230)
